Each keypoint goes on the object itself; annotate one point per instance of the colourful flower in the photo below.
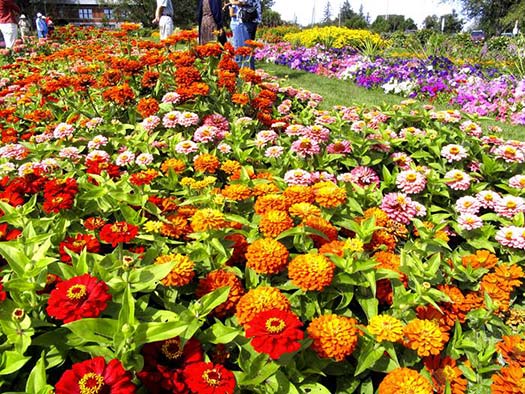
(405, 381)
(425, 337)
(333, 336)
(118, 232)
(217, 279)
(260, 299)
(207, 219)
(311, 271)
(274, 222)
(209, 378)
(77, 298)
(94, 376)
(182, 272)
(275, 332)
(266, 256)
(385, 328)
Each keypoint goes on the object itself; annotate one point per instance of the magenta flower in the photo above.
(457, 180)
(469, 221)
(399, 207)
(411, 181)
(339, 147)
(205, 133)
(364, 176)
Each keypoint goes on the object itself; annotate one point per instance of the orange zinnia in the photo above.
(206, 163)
(176, 165)
(260, 299)
(405, 381)
(274, 222)
(304, 210)
(297, 193)
(324, 226)
(311, 271)
(509, 380)
(217, 279)
(481, 259)
(425, 337)
(268, 202)
(445, 372)
(512, 348)
(207, 219)
(333, 336)
(181, 274)
(236, 192)
(385, 328)
(329, 195)
(266, 256)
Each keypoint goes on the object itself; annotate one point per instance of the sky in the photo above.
(307, 10)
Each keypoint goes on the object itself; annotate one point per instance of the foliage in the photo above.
(392, 23)
(332, 36)
(277, 33)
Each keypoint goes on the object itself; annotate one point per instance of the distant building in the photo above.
(78, 12)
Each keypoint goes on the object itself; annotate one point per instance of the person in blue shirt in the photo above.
(41, 26)
(250, 24)
(239, 33)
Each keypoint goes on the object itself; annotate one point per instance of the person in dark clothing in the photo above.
(209, 17)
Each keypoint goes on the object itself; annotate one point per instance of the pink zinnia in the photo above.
(92, 123)
(267, 136)
(186, 147)
(218, 121)
(188, 119)
(471, 128)
(144, 159)
(345, 177)
(150, 123)
(326, 119)
(305, 146)
(171, 119)
(205, 133)
(323, 176)
(63, 130)
(509, 153)
(224, 148)
(517, 182)
(339, 147)
(453, 152)
(364, 176)
(457, 180)
(398, 207)
(488, 198)
(509, 206)
(97, 141)
(274, 151)
(468, 204)
(317, 133)
(511, 236)
(411, 181)
(70, 153)
(469, 221)
(402, 160)
(295, 129)
(125, 158)
(411, 131)
(171, 97)
(297, 177)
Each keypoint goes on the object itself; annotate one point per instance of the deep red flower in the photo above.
(94, 223)
(96, 377)
(76, 244)
(59, 194)
(275, 332)
(118, 232)
(77, 298)
(3, 294)
(209, 378)
(164, 362)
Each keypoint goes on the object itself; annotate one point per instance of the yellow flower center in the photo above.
(511, 204)
(458, 176)
(212, 377)
(76, 292)
(274, 325)
(411, 177)
(454, 150)
(91, 383)
(510, 152)
(171, 349)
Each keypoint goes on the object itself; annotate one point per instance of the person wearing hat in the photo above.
(24, 27)
(41, 25)
(8, 18)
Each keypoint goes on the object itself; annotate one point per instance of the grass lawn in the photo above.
(339, 92)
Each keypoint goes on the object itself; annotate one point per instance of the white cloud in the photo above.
(308, 11)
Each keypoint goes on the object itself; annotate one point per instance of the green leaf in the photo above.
(207, 303)
(159, 331)
(94, 330)
(37, 378)
(314, 388)
(368, 357)
(11, 361)
(147, 278)
(219, 333)
(14, 253)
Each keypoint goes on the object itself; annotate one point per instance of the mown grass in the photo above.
(339, 92)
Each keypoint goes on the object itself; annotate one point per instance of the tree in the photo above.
(452, 23)
(346, 11)
(271, 18)
(492, 16)
(431, 22)
(391, 23)
(327, 14)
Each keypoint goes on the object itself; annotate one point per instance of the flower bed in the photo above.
(172, 224)
(476, 90)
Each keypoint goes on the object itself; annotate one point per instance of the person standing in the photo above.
(250, 15)
(24, 27)
(163, 16)
(209, 17)
(8, 21)
(239, 32)
(41, 26)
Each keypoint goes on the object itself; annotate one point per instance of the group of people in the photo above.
(245, 16)
(12, 22)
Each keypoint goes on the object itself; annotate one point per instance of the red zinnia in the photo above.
(118, 232)
(3, 294)
(77, 244)
(78, 297)
(95, 376)
(275, 332)
(209, 378)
